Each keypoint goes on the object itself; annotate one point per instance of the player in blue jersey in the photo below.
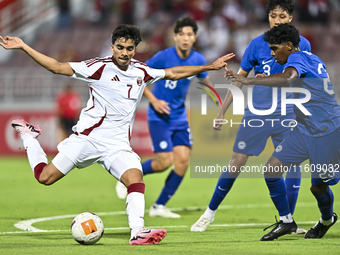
(316, 136)
(251, 141)
(167, 117)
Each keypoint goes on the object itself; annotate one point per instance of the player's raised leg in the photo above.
(45, 173)
(223, 186)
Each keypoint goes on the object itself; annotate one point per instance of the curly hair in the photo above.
(185, 22)
(127, 32)
(281, 34)
(286, 5)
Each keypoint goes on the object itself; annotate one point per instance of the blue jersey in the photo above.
(324, 109)
(258, 56)
(173, 92)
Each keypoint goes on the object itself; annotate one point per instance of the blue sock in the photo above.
(277, 190)
(172, 183)
(293, 181)
(146, 166)
(325, 204)
(224, 184)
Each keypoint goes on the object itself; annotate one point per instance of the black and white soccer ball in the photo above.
(87, 228)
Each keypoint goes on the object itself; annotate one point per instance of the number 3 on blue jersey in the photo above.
(266, 69)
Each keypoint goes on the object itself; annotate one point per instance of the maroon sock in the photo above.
(136, 187)
(38, 169)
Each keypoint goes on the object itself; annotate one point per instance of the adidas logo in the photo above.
(115, 78)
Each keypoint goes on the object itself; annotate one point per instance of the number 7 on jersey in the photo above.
(130, 87)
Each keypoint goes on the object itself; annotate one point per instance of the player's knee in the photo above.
(235, 166)
(44, 180)
(318, 190)
(268, 172)
(131, 176)
(237, 161)
(183, 164)
(164, 163)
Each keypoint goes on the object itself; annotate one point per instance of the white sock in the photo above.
(209, 213)
(25, 136)
(156, 205)
(34, 151)
(135, 208)
(287, 218)
(327, 222)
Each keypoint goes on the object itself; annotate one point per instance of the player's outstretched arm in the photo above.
(180, 72)
(47, 62)
(275, 80)
(159, 105)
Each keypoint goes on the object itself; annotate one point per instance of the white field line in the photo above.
(26, 225)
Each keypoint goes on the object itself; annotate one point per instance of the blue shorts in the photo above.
(165, 136)
(323, 154)
(252, 140)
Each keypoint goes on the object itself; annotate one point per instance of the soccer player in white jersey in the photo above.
(102, 133)
(167, 117)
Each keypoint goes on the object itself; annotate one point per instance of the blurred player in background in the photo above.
(116, 85)
(167, 117)
(68, 107)
(316, 136)
(251, 141)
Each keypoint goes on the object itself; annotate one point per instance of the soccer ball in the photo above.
(87, 228)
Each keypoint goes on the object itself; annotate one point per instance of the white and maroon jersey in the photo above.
(114, 96)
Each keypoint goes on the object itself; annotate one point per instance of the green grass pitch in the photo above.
(237, 227)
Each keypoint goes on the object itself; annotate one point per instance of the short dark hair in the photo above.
(281, 34)
(185, 22)
(286, 5)
(127, 32)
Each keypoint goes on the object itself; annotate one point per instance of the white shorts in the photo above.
(76, 151)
